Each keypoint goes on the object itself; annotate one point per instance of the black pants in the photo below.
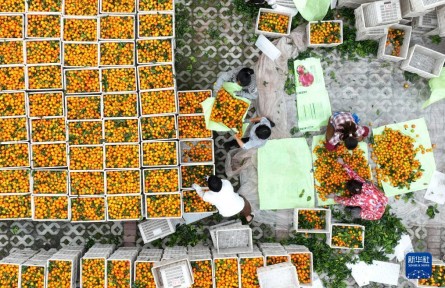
(233, 143)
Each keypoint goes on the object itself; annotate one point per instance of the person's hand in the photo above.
(196, 186)
(340, 160)
(236, 136)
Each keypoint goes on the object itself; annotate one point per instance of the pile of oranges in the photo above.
(194, 204)
(14, 24)
(59, 274)
(12, 6)
(160, 153)
(156, 77)
(195, 174)
(200, 151)
(33, 276)
(45, 6)
(116, 53)
(86, 158)
(164, 205)
(330, 175)
(119, 79)
(12, 52)
(93, 273)
(395, 38)
(157, 102)
(395, 154)
(50, 182)
(13, 78)
(45, 104)
(273, 22)
(119, 273)
(229, 110)
(302, 262)
(226, 273)
(158, 127)
(50, 207)
(120, 105)
(437, 279)
(42, 52)
(272, 260)
(82, 30)
(83, 107)
(347, 236)
(325, 32)
(15, 181)
(14, 155)
(88, 209)
(15, 206)
(144, 277)
(193, 127)
(45, 77)
(161, 180)
(202, 273)
(312, 219)
(155, 50)
(122, 156)
(87, 183)
(155, 25)
(78, 55)
(48, 130)
(43, 26)
(150, 5)
(124, 182)
(12, 104)
(85, 132)
(122, 6)
(13, 129)
(82, 81)
(124, 207)
(121, 130)
(248, 267)
(81, 7)
(117, 27)
(10, 275)
(49, 155)
(190, 102)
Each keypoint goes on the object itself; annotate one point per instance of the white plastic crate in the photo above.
(117, 94)
(49, 119)
(273, 34)
(50, 220)
(126, 219)
(308, 33)
(29, 156)
(198, 214)
(101, 106)
(139, 9)
(130, 257)
(26, 44)
(17, 263)
(185, 145)
(23, 99)
(270, 245)
(140, 62)
(382, 13)
(74, 260)
(104, 68)
(23, 24)
(145, 189)
(74, 122)
(43, 14)
(234, 240)
(155, 88)
(73, 193)
(311, 259)
(224, 225)
(173, 90)
(144, 260)
(156, 13)
(351, 3)
(160, 165)
(35, 171)
(23, 53)
(107, 182)
(163, 217)
(102, 16)
(210, 92)
(327, 220)
(119, 119)
(85, 93)
(73, 147)
(217, 257)
(33, 165)
(104, 219)
(28, 109)
(65, 17)
(103, 258)
(423, 61)
(329, 236)
(283, 275)
(175, 134)
(195, 217)
(422, 5)
(116, 41)
(428, 21)
(365, 32)
(243, 257)
(151, 252)
(26, 128)
(189, 165)
(122, 144)
(441, 20)
(435, 262)
(276, 253)
(381, 53)
(295, 248)
(65, 43)
(153, 229)
(117, 13)
(175, 273)
(408, 10)
(62, 3)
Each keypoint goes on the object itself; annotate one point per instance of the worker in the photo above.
(244, 77)
(343, 126)
(259, 134)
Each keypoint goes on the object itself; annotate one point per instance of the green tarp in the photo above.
(426, 160)
(285, 180)
(312, 10)
(437, 86)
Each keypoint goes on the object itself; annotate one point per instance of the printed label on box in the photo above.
(418, 265)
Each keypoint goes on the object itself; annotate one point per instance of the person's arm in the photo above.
(223, 77)
(331, 144)
(255, 119)
(210, 197)
(362, 132)
(351, 173)
(330, 130)
(239, 141)
(198, 190)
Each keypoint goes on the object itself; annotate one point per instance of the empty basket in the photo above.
(283, 275)
(382, 12)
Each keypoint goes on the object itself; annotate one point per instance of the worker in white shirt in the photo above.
(260, 132)
(223, 196)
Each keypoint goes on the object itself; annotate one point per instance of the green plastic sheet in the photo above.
(312, 10)
(285, 180)
(315, 141)
(207, 106)
(313, 104)
(437, 86)
(426, 160)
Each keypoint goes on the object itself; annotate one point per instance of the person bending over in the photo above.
(366, 201)
(223, 196)
(259, 134)
(244, 77)
(343, 126)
